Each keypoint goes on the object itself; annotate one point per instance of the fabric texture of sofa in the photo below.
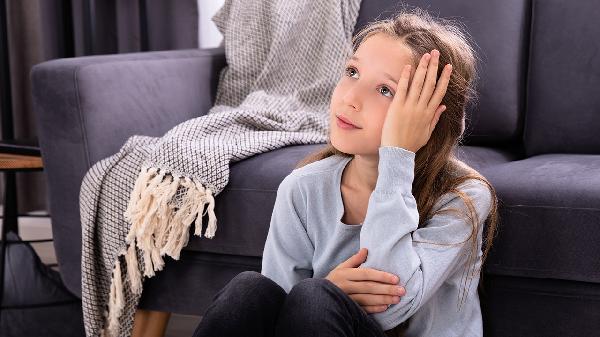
(533, 134)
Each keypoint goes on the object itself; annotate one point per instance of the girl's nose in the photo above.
(352, 97)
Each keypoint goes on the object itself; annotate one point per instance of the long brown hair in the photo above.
(437, 168)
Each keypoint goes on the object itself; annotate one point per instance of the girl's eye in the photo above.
(351, 69)
(388, 90)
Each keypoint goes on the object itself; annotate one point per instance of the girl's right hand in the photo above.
(372, 289)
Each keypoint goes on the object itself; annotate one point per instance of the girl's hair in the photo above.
(437, 168)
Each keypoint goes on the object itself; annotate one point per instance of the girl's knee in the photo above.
(248, 276)
(255, 281)
(319, 292)
(315, 300)
(312, 287)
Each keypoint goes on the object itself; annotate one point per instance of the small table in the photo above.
(17, 156)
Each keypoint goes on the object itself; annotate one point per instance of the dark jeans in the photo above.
(251, 304)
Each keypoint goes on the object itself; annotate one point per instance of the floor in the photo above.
(32, 227)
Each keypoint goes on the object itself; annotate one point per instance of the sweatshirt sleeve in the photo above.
(288, 251)
(422, 258)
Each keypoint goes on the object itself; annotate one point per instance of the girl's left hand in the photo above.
(412, 116)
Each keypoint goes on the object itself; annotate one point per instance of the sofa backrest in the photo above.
(498, 27)
(563, 109)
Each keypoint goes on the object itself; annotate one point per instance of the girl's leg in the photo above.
(317, 307)
(247, 306)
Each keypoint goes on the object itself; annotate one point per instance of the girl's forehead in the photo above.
(381, 51)
(381, 43)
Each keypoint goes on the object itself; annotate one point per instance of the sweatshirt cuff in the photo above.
(396, 170)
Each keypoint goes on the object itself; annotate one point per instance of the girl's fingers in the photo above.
(417, 82)
(371, 309)
(436, 118)
(369, 287)
(430, 79)
(369, 274)
(370, 299)
(402, 87)
(440, 90)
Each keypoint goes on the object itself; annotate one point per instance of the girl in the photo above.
(379, 233)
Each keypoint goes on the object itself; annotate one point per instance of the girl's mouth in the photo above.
(344, 125)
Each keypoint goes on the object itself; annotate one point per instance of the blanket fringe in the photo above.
(160, 224)
(115, 303)
(133, 272)
(160, 216)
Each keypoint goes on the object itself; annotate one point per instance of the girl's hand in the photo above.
(412, 116)
(372, 289)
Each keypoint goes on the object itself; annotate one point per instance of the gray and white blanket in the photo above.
(283, 61)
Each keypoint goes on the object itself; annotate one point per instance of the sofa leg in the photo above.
(149, 323)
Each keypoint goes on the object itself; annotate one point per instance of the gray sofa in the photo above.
(534, 134)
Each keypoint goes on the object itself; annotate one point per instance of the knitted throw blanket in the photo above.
(283, 61)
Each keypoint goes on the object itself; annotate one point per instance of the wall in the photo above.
(208, 35)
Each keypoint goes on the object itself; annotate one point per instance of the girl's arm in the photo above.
(390, 234)
(288, 252)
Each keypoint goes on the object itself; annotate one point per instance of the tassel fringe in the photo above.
(115, 303)
(133, 272)
(160, 223)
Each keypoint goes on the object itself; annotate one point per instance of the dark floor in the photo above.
(39, 228)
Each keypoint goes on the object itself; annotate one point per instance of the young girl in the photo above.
(379, 233)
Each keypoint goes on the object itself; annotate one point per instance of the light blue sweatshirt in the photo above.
(307, 238)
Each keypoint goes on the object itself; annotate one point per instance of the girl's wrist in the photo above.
(396, 170)
(401, 145)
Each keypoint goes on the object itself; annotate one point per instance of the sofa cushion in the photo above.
(563, 114)
(550, 217)
(482, 157)
(244, 207)
(500, 29)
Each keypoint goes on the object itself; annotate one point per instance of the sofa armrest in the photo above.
(87, 108)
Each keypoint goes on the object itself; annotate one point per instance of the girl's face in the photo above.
(364, 93)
